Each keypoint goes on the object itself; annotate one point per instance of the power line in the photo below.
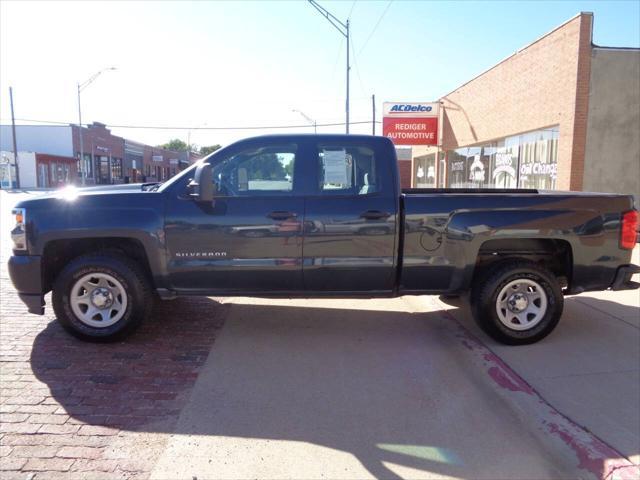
(351, 11)
(333, 71)
(355, 62)
(166, 127)
(375, 27)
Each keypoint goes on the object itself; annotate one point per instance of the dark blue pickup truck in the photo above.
(316, 216)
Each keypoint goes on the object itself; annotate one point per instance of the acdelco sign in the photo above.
(410, 123)
(413, 109)
(401, 108)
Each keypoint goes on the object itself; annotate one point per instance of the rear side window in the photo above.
(259, 171)
(347, 170)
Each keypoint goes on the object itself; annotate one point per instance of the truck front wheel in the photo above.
(101, 297)
(517, 303)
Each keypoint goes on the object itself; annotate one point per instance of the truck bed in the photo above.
(448, 231)
(409, 191)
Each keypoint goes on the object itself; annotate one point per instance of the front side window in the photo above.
(257, 171)
(347, 170)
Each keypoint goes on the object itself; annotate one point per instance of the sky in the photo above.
(238, 64)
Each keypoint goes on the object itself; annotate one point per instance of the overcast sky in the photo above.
(231, 64)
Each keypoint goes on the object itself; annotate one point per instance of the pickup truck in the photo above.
(316, 216)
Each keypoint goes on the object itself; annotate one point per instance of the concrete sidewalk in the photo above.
(363, 389)
(589, 367)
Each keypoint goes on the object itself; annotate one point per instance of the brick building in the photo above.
(103, 153)
(113, 159)
(560, 113)
(37, 170)
(107, 158)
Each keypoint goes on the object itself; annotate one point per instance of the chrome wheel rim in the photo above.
(98, 300)
(521, 304)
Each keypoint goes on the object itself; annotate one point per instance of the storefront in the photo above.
(529, 160)
(37, 170)
(559, 114)
(54, 171)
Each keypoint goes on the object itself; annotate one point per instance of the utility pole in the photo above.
(373, 107)
(343, 28)
(15, 143)
(81, 163)
(308, 119)
(82, 86)
(348, 71)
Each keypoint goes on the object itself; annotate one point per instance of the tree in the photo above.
(176, 145)
(264, 167)
(204, 151)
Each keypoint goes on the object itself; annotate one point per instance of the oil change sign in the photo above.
(410, 123)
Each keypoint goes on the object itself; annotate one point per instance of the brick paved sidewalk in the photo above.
(72, 409)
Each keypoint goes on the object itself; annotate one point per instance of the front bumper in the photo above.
(25, 272)
(623, 278)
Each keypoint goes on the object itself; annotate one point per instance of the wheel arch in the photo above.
(555, 255)
(58, 253)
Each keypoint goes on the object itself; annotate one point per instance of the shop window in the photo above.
(466, 168)
(43, 176)
(522, 161)
(86, 166)
(539, 159)
(103, 165)
(116, 168)
(424, 175)
(442, 168)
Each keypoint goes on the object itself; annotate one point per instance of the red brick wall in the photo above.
(582, 105)
(97, 135)
(404, 168)
(167, 155)
(544, 84)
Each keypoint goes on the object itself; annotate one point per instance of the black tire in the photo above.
(489, 286)
(131, 277)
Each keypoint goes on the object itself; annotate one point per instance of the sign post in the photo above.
(413, 123)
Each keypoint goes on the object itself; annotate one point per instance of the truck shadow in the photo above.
(139, 381)
(281, 376)
(365, 382)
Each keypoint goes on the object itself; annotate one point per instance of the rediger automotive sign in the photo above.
(411, 123)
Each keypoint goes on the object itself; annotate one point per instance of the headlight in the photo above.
(19, 232)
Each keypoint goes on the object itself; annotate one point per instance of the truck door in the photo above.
(351, 217)
(250, 238)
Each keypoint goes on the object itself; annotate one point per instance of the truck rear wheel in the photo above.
(101, 297)
(517, 303)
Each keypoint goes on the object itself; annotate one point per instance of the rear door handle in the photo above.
(281, 215)
(374, 215)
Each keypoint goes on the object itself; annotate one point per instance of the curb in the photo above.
(593, 454)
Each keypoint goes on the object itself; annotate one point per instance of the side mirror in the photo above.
(202, 187)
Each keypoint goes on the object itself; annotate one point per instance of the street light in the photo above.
(82, 86)
(189, 140)
(343, 28)
(310, 120)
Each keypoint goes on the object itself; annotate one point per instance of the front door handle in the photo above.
(374, 215)
(281, 215)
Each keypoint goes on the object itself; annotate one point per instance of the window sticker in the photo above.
(335, 167)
